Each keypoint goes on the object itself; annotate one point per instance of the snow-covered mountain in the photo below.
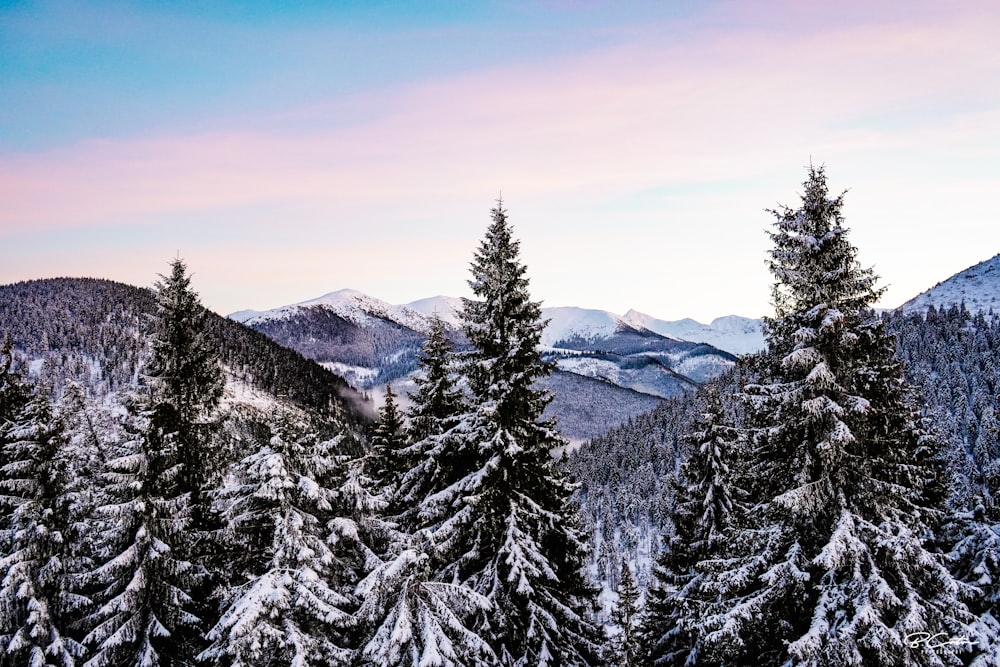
(351, 305)
(978, 287)
(444, 307)
(371, 343)
(732, 333)
(569, 323)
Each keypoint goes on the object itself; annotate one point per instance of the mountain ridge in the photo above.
(90, 330)
(608, 368)
(977, 287)
(732, 333)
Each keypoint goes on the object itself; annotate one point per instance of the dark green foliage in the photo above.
(37, 600)
(625, 648)
(505, 527)
(829, 556)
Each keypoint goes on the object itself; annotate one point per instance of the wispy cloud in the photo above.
(737, 94)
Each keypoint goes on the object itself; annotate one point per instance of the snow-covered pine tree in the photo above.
(437, 401)
(37, 601)
(187, 384)
(287, 605)
(153, 583)
(387, 442)
(413, 621)
(703, 505)
(976, 561)
(505, 526)
(433, 460)
(407, 618)
(625, 646)
(142, 584)
(829, 566)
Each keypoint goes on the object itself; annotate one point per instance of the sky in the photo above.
(287, 150)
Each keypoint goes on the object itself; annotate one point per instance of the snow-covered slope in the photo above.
(978, 287)
(732, 333)
(102, 347)
(354, 306)
(372, 343)
(582, 323)
(445, 307)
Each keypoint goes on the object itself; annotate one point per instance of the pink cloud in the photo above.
(736, 96)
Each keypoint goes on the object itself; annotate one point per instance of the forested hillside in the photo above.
(813, 478)
(92, 331)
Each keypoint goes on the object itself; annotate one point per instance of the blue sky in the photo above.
(291, 149)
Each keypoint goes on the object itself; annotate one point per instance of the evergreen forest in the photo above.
(180, 490)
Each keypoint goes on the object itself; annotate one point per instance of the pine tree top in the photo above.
(504, 326)
(812, 260)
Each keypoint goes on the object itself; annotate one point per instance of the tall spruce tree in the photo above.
(142, 585)
(187, 384)
(407, 618)
(431, 461)
(505, 526)
(703, 505)
(37, 599)
(625, 646)
(387, 442)
(828, 567)
(154, 583)
(437, 401)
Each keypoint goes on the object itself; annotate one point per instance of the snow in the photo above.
(355, 375)
(978, 287)
(732, 333)
(589, 324)
(352, 305)
(445, 307)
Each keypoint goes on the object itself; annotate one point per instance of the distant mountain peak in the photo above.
(350, 304)
(978, 287)
(444, 307)
(732, 333)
